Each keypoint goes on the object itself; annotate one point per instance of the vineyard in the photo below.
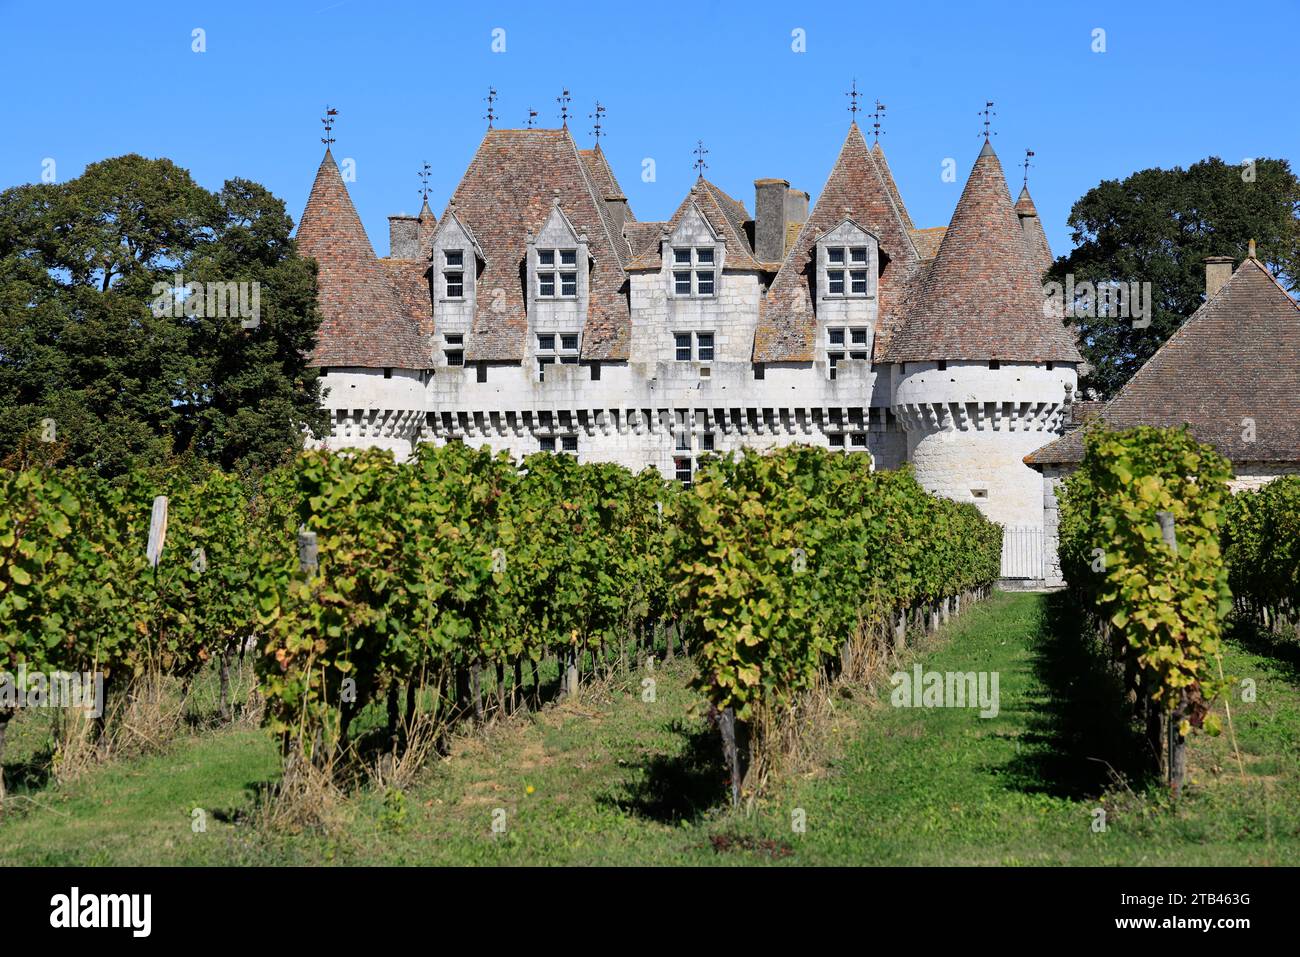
(436, 589)
(1154, 548)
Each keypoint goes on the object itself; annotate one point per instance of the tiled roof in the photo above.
(1236, 359)
(724, 214)
(927, 240)
(605, 187)
(362, 321)
(982, 297)
(854, 190)
(505, 195)
(640, 236)
(878, 155)
(1032, 228)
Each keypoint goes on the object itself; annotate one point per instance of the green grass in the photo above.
(618, 780)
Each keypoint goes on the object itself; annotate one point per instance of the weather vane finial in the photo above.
(988, 114)
(853, 95)
(1028, 154)
(424, 180)
(532, 117)
(328, 121)
(700, 152)
(491, 98)
(563, 99)
(876, 117)
(600, 111)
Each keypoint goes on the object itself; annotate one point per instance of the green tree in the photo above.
(1158, 226)
(82, 342)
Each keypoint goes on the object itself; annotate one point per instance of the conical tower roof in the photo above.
(982, 298)
(1032, 227)
(362, 322)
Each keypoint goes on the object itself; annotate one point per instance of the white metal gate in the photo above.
(1022, 552)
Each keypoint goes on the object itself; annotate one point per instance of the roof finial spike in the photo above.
(563, 99)
(595, 130)
(328, 121)
(876, 118)
(988, 115)
(532, 117)
(853, 95)
(1028, 153)
(1250, 249)
(491, 100)
(700, 152)
(424, 181)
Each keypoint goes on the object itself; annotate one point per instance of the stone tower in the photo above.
(982, 373)
(369, 348)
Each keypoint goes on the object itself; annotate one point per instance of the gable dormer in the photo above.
(559, 274)
(693, 256)
(846, 293)
(454, 265)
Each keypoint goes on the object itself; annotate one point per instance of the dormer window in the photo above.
(846, 270)
(553, 347)
(454, 348)
(557, 273)
(694, 269)
(453, 273)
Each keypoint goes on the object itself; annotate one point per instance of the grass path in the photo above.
(630, 781)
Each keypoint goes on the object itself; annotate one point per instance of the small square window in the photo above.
(859, 440)
(705, 343)
(546, 284)
(481, 369)
(454, 257)
(706, 441)
(455, 357)
(569, 443)
(835, 256)
(455, 285)
(760, 371)
(546, 257)
(835, 282)
(858, 336)
(682, 257)
(568, 257)
(569, 341)
(857, 355)
(682, 283)
(837, 440)
(943, 365)
(595, 372)
(704, 282)
(546, 443)
(1051, 366)
(682, 342)
(454, 338)
(704, 256)
(858, 282)
(568, 284)
(546, 342)
(683, 441)
(859, 254)
(682, 466)
(995, 364)
(836, 336)
(388, 372)
(569, 360)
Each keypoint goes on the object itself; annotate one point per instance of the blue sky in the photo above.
(1177, 82)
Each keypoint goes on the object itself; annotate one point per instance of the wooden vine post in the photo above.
(1176, 743)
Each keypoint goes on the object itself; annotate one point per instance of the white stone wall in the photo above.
(969, 428)
(368, 410)
(1253, 475)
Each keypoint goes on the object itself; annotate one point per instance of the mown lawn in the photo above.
(614, 779)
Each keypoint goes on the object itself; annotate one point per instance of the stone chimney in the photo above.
(617, 208)
(770, 219)
(1218, 270)
(403, 237)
